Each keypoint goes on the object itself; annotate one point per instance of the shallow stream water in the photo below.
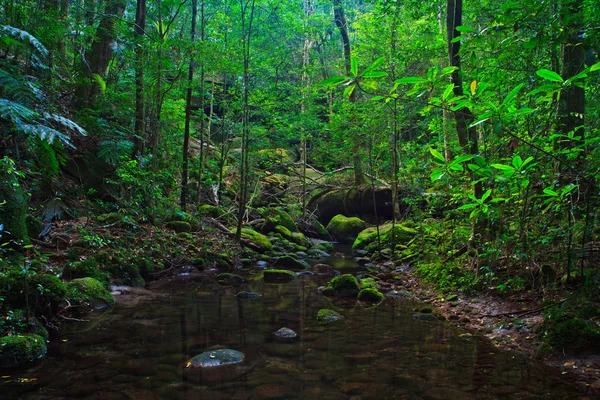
(140, 348)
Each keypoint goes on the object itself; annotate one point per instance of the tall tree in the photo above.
(140, 117)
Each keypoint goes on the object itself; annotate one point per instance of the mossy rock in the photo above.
(179, 226)
(344, 285)
(367, 283)
(211, 211)
(85, 268)
(573, 333)
(46, 292)
(325, 246)
(327, 316)
(21, 350)
(290, 263)
(367, 239)
(278, 276)
(229, 279)
(295, 237)
(89, 293)
(370, 295)
(125, 272)
(345, 229)
(278, 217)
(260, 240)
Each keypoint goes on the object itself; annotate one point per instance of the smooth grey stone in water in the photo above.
(286, 333)
(216, 358)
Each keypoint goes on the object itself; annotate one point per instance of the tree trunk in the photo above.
(140, 117)
(98, 57)
(188, 113)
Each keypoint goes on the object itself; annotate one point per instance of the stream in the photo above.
(141, 347)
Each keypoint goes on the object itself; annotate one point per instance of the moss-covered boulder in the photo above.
(327, 316)
(278, 276)
(179, 226)
(20, 350)
(572, 333)
(278, 217)
(211, 211)
(261, 241)
(325, 246)
(345, 229)
(370, 295)
(89, 294)
(290, 263)
(295, 237)
(344, 285)
(367, 239)
(83, 269)
(229, 279)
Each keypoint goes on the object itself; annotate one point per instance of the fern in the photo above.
(23, 36)
(67, 123)
(45, 133)
(111, 151)
(16, 112)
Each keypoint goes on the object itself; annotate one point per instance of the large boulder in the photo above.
(258, 239)
(89, 293)
(367, 239)
(345, 229)
(19, 350)
(344, 285)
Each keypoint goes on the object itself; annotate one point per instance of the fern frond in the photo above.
(112, 150)
(16, 33)
(46, 133)
(16, 112)
(66, 122)
(100, 81)
(13, 87)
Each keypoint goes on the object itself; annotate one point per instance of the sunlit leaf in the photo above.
(354, 66)
(513, 93)
(473, 87)
(465, 29)
(348, 91)
(374, 74)
(437, 174)
(333, 81)
(549, 75)
(595, 67)
(437, 154)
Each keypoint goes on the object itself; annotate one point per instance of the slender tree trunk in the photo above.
(202, 115)
(308, 43)
(467, 136)
(188, 113)
(140, 117)
(244, 167)
(156, 121)
(98, 57)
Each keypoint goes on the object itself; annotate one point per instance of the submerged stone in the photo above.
(286, 333)
(248, 295)
(216, 358)
(326, 316)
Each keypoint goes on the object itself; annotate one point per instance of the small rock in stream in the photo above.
(286, 333)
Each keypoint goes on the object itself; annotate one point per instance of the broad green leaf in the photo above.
(448, 70)
(467, 206)
(498, 200)
(431, 74)
(374, 74)
(527, 161)
(465, 29)
(512, 94)
(410, 79)
(354, 66)
(550, 192)
(521, 111)
(448, 91)
(517, 161)
(549, 75)
(595, 67)
(455, 167)
(457, 39)
(375, 64)
(333, 81)
(377, 98)
(486, 195)
(348, 91)
(437, 154)
(436, 174)
(463, 158)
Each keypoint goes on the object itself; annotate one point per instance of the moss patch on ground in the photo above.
(21, 349)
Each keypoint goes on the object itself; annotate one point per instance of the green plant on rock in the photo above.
(21, 349)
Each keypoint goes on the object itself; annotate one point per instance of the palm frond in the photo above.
(66, 122)
(24, 36)
(16, 112)
(46, 133)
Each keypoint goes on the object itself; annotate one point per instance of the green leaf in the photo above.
(377, 98)
(375, 64)
(595, 67)
(448, 91)
(374, 74)
(512, 94)
(457, 39)
(478, 122)
(504, 167)
(465, 29)
(549, 75)
(333, 81)
(550, 192)
(410, 79)
(467, 206)
(521, 111)
(348, 91)
(354, 66)
(436, 174)
(437, 154)
(463, 158)
(517, 161)
(448, 70)
(486, 195)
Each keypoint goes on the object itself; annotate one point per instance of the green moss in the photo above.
(367, 239)
(19, 350)
(212, 211)
(90, 293)
(368, 283)
(344, 285)
(85, 268)
(179, 226)
(276, 216)
(325, 246)
(16, 322)
(260, 240)
(229, 279)
(288, 262)
(125, 272)
(370, 294)
(345, 229)
(326, 316)
(295, 237)
(278, 276)
(44, 292)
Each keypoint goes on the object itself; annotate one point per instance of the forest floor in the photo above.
(511, 323)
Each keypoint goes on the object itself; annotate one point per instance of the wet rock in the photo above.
(216, 358)
(370, 295)
(20, 350)
(286, 333)
(262, 264)
(305, 273)
(362, 261)
(291, 263)
(424, 317)
(344, 285)
(248, 295)
(345, 229)
(317, 253)
(323, 269)
(398, 294)
(326, 316)
(278, 276)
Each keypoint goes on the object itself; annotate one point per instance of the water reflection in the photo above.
(140, 349)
